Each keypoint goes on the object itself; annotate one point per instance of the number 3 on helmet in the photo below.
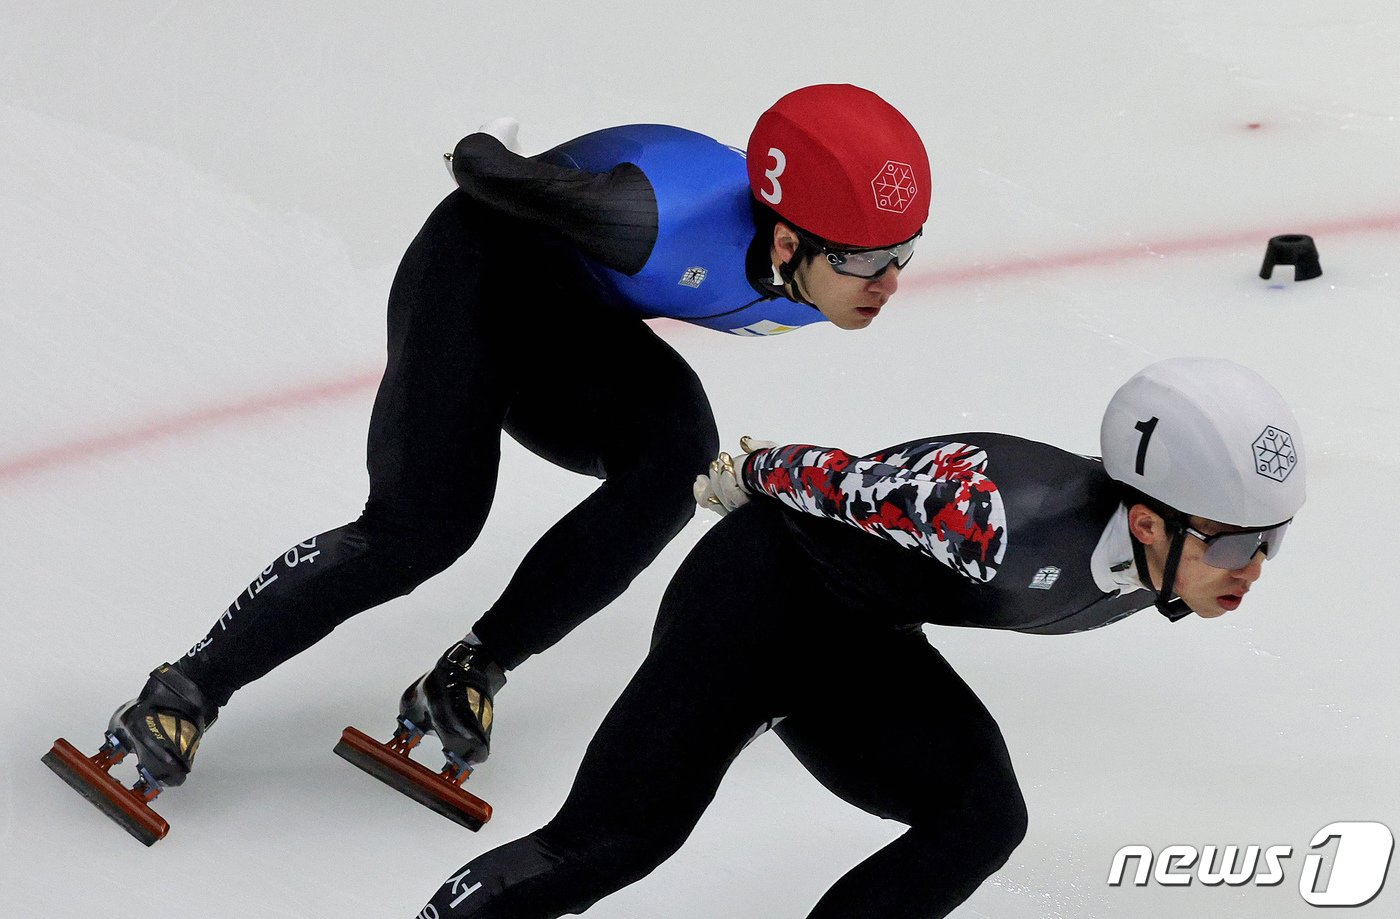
(842, 164)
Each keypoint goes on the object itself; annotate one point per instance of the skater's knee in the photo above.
(993, 827)
(695, 447)
(985, 823)
(1006, 827)
(418, 545)
(664, 470)
(997, 809)
(672, 450)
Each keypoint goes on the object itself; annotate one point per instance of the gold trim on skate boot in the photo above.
(172, 729)
(481, 708)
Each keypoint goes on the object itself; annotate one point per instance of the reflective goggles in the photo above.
(1237, 548)
(866, 263)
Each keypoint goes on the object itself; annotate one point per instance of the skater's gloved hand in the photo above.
(723, 489)
(750, 444)
(505, 129)
(720, 491)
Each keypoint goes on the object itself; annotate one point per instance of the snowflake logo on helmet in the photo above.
(1274, 455)
(894, 187)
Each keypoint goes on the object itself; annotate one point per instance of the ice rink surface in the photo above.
(201, 208)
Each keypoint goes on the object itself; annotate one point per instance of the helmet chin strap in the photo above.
(785, 275)
(1174, 608)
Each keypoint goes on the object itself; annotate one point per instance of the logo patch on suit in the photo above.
(693, 277)
(1045, 578)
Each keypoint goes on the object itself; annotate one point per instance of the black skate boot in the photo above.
(163, 727)
(454, 700)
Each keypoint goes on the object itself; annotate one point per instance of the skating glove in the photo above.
(505, 129)
(723, 489)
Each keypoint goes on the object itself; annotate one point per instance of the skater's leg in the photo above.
(630, 411)
(654, 766)
(519, 880)
(911, 742)
(649, 774)
(434, 445)
(314, 587)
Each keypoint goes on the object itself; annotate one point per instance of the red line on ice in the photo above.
(354, 384)
(143, 432)
(1095, 257)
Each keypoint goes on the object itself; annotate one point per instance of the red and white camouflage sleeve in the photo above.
(931, 496)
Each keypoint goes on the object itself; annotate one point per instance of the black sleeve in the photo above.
(610, 217)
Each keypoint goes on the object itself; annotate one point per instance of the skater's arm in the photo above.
(930, 496)
(610, 217)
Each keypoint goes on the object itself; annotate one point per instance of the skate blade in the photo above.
(114, 799)
(402, 774)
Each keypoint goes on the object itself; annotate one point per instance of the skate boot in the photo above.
(454, 700)
(163, 727)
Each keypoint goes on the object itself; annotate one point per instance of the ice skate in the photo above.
(454, 700)
(163, 727)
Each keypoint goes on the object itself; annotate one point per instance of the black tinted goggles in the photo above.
(1235, 549)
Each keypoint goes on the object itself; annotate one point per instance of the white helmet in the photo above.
(1208, 437)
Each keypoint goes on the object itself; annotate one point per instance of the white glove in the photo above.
(505, 129)
(723, 490)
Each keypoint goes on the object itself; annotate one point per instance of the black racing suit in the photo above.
(805, 608)
(496, 322)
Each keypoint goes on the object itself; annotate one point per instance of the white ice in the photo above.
(201, 208)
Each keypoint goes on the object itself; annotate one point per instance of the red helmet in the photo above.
(841, 163)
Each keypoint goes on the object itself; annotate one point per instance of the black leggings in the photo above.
(487, 332)
(875, 713)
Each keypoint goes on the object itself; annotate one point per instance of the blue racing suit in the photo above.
(659, 219)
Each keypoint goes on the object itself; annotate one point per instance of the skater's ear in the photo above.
(1147, 526)
(785, 243)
